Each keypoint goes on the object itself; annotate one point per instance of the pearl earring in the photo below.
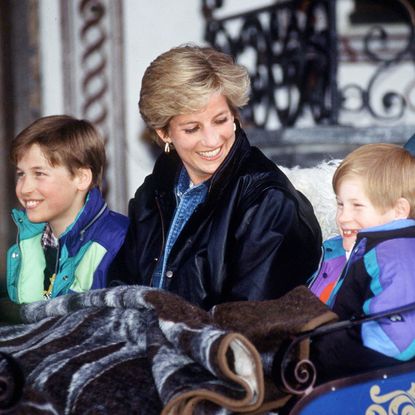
(234, 127)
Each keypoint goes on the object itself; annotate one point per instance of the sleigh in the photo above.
(384, 391)
(388, 390)
(138, 350)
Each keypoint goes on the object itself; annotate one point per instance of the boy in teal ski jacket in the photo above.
(67, 236)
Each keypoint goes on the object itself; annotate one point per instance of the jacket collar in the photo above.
(26, 228)
(93, 208)
(233, 161)
(401, 227)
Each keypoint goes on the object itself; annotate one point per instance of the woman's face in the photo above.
(203, 139)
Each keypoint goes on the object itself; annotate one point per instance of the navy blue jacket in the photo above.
(253, 238)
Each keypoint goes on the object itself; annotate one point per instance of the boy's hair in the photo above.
(181, 81)
(387, 172)
(65, 141)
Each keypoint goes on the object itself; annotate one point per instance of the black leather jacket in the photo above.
(254, 238)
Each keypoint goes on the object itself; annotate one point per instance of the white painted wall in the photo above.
(150, 28)
(51, 57)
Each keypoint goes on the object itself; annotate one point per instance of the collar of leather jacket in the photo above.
(167, 168)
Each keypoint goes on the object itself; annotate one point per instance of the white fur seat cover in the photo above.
(315, 184)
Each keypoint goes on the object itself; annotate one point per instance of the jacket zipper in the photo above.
(97, 216)
(332, 299)
(163, 239)
(81, 238)
(20, 259)
(313, 278)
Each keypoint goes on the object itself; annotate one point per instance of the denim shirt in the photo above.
(187, 199)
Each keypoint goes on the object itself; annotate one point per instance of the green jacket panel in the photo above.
(23, 282)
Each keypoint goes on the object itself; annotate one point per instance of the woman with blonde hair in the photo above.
(216, 221)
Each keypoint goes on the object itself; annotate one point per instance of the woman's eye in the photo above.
(19, 175)
(191, 130)
(39, 173)
(222, 120)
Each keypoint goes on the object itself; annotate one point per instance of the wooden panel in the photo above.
(19, 100)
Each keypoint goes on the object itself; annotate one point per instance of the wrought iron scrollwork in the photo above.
(294, 375)
(294, 51)
(380, 50)
(291, 45)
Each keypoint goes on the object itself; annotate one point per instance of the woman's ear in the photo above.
(402, 208)
(163, 136)
(84, 177)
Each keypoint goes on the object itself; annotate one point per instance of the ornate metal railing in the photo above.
(306, 71)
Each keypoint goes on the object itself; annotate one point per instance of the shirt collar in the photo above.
(48, 238)
(184, 184)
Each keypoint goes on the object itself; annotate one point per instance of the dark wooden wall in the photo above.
(20, 101)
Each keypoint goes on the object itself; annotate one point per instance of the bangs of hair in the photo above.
(387, 172)
(182, 80)
(64, 141)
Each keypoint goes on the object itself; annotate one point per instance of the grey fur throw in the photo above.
(138, 350)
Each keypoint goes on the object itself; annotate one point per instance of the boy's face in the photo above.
(49, 194)
(355, 211)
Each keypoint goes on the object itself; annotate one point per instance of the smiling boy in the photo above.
(67, 236)
(369, 267)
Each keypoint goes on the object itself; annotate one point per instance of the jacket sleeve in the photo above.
(123, 269)
(274, 249)
(391, 285)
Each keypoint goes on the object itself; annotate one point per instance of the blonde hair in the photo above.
(64, 141)
(387, 172)
(181, 81)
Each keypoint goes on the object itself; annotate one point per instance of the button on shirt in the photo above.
(188, 197)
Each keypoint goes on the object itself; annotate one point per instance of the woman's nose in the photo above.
(210, 137)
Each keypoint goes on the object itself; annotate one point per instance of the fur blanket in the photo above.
(138, 350)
